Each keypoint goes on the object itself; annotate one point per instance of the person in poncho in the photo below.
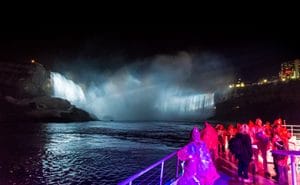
(210, 136)
(198, 165)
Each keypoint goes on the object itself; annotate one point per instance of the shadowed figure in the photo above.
(242, 150)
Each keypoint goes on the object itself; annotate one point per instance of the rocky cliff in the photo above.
(25, 95)
(268, 102)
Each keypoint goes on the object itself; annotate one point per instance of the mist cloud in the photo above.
(150, 88)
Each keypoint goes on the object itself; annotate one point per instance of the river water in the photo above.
(84, 153)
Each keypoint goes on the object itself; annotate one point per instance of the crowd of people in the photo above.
(242, 144)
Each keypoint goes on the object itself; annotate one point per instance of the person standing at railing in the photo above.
(280, 142)
(199, 168)
(282, 128)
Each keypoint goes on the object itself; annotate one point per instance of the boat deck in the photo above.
(229, 180)
(167, 170)
(228, 172)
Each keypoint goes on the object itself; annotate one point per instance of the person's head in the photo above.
(230, 126)
(220, 126)
(250, 123)
(244, 129)
(258, 122)
(278, 121)
(195, 134)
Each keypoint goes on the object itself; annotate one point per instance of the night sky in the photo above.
(251, 49)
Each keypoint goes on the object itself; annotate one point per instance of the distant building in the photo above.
(238, 84)
(290, 70)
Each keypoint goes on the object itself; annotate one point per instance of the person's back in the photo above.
(245, 152)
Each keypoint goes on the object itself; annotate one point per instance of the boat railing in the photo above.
(162, 172)
(292, 154)
(166, 170)
(294, 143)
(294, 129)
(295, 136)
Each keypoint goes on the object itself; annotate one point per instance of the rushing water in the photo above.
(84, 153)
(130, 98)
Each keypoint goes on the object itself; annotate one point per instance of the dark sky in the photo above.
(253, 49)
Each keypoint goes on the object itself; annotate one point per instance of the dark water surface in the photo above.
(84, 153)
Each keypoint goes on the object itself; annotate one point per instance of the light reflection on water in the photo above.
(84, 153)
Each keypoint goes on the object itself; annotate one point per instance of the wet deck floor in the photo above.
(228, 172)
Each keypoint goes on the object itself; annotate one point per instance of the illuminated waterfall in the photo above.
(128, 99)
(67, 89)
(186, 104)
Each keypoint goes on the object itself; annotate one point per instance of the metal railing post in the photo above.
(161, 173)
(292, 154)
(294, 177)
(139, 174)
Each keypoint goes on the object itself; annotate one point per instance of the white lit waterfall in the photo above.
(67, 89)
(129, 99)
(186, 104)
